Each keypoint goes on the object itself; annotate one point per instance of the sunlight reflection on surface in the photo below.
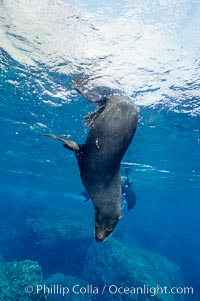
(145, 46)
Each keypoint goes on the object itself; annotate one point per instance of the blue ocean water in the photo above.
(147, 49)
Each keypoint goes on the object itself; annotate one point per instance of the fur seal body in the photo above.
(111, 132)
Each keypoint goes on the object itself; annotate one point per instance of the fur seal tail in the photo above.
(69, 144)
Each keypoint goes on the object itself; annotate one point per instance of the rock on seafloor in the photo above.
(58, 238)
(53, 224)
(112, 263)
(18, 281)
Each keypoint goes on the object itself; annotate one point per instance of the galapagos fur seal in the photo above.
(112, 129)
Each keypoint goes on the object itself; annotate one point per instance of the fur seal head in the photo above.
(104, 226)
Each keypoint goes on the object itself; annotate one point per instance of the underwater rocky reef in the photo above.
(17, 280)
(51, 242)
(137, 268)
(58, 238)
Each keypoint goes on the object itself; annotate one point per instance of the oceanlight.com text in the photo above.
(150, 290)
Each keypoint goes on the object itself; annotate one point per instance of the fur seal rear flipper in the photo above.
(98, 95)
(90, 118)
(99, 159)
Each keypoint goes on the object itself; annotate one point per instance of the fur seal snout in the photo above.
(111, 132)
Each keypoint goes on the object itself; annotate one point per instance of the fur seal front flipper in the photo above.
(69, 144)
